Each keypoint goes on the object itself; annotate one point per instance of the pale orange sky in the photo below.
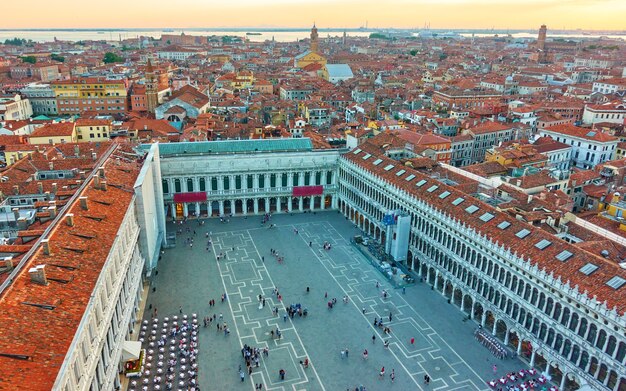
(513, 14)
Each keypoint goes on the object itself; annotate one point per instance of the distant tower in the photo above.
(152, 93)
(541, 39)
(314, 41)
(344, 38)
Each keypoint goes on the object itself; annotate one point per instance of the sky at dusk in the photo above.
(481, 14)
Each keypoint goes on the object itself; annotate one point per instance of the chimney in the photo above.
(19, 155)
(96, 182)
(12, 160)
(103, 185)
(16, 213)
(54, 188)
(83, 203)
(82, 174)
(45, 244)
(47, 194)
(76, 150)
(8, 263)
(118, 161)
(16, 189)
(51, 165)
(38, 274)
(69, 219)
(22, 224)
(40, 187)
(101, 172)
(53, 211)
(94, 156)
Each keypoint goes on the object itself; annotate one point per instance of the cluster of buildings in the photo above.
(500, 159)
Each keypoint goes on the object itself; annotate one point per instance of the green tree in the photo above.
(15, 42)
(56, 57)
(110, 57)
(29, 59)
(413, 52)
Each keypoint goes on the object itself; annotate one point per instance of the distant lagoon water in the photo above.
(280, 35)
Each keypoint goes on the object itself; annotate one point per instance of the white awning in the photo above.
(131, 350)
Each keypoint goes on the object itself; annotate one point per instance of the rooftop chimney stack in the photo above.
(82, 174)
(53, 211)
(76, 150)
(45, 244)
(118, 161)
(16, 189)
(16, 213)
(103, 185)
(22, 224)
(40, 187)
(101, 172)
(51, 165)
(38, 274)
(96, 182)
(94, 156)
(54, 188)
(83, 203)
(69, 219)
(47, 194)
(8, 263)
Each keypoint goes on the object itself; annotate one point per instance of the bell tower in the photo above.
(314, 39)
(152, 97)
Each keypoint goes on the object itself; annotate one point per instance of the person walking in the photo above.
(242, 376)
(373, 338)
(390, 316)
(392, 375)
(281, 374)
(346, 352)
(381, 374)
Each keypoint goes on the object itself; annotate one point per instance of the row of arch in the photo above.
(475, 283)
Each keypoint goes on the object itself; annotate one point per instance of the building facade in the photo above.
(42, 99)
(473, 254)
(259, 176)
(102, 96)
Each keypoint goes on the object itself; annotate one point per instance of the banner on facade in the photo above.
(199, 196)
(304, 191)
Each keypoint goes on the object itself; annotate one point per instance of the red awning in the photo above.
(303, 191)
(190, 197)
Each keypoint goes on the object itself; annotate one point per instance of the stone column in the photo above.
(221, 208)
(290, 179)
(301, 204)
(279, 206)
(185, 210)
(323, 203)
(484, 317)
(232, 207)
(563, 379)
(289, 203)
(519, 345)
(532, 358)
(198, 209)
(244, 206)
(220, 183)
(267, 205)
(312, 202)
(174, 211)
(255, 182)
(506, 338)
(493, 331)
(256, 205)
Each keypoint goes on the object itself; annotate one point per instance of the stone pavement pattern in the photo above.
(444, 347)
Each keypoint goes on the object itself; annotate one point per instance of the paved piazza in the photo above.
(444, 347)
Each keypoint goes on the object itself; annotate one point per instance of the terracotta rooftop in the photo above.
(44, 335)
(455, 205)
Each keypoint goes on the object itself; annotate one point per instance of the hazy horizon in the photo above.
(603, 15)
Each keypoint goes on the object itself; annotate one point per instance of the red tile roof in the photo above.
(594, 284)
(45, 335)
